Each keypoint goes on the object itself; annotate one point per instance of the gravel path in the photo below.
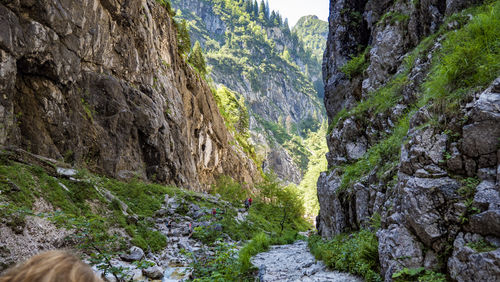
(295, 263)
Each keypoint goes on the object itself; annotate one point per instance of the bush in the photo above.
(418, 274)
(230, 190)
(259, 243)
(356, 65)
(356, 253)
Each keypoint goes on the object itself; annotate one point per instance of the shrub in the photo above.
(356, 253)
(258, 244)
(230, 190)
(418, 274)
(356, 65)
(481, 246)
(222, 266)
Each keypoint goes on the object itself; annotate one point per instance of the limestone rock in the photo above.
(398, 248)
(107, 84)
(153, 272)
(468, 265)
(486, 223)
(487, 196)
(134, 254)
(482, 134)
(425, 204)
(331, 216)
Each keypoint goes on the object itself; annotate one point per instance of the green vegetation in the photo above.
(356, 253)
(393, 17)
(356, 65)
(197, 60)
(275, 217)
(481, 246)
(313, 32)
(81, 207)
(183, 38)
(418, 274)
(468, 59)
(235, 113)
(316, 144)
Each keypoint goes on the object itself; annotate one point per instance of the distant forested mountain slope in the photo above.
(266, 68)
(313, 32)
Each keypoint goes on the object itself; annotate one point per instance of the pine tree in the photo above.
(279, 19)
(273, 19)
(267, 11)
(183, 39)
(286, 26)
(262, 11)
(255, 9)
(197, 60)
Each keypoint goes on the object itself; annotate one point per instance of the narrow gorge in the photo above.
(224, 140)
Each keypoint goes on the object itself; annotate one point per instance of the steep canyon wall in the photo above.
(100, 84)
(429, 167)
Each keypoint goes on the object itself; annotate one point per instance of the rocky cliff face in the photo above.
(431, 174)
(100, 84)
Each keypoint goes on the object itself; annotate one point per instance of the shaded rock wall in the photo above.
(426, 219)
(100, 84)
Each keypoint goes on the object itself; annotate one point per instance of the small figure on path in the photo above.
(190, 226)
(248, 203)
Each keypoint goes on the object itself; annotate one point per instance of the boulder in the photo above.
(426, 204)
(466, 264)
(482, 134)
(398, 248)
(134, 254)
(425, 148)
(332, 219)
(487, 196)
(153, 272)
(486, 223)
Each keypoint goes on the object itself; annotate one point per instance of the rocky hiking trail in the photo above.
(294, 262)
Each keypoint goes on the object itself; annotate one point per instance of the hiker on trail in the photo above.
(190, 226)
(248, 203)
(214, 212)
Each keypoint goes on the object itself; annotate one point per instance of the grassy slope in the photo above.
(84, 210)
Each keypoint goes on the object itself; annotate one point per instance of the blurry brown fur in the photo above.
(52, 266)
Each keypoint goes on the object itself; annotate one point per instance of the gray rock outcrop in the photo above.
(445, 181)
